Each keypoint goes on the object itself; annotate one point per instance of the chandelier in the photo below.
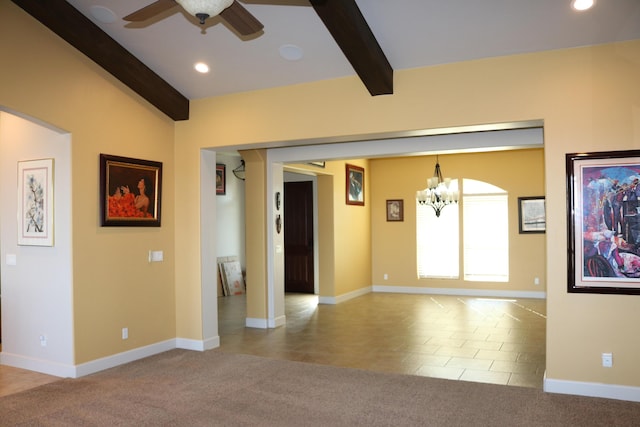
(438, 193)
(203, 9)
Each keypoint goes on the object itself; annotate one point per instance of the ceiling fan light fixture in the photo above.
(203, 9)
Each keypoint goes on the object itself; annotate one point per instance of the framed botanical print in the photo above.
(35, 202)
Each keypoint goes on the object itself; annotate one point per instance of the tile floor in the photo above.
(14, 380)
(498, 341)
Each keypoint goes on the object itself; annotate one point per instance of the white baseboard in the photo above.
(607, 391)
(278, 321)
(38, 365)
(461, 292)
(211, 343)
(122, 358)
(71, 371)
(252, 322)
(344, 297)
(198, 345)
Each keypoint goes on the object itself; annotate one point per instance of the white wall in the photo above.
(37, 295)
(230, 212)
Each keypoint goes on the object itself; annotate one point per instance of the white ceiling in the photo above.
(412, 33)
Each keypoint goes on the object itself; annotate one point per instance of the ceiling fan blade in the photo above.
(241, 19)
(150, 11)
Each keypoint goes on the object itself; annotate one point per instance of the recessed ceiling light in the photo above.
(582, 4)
(201, 67)
(103, 14)
(290, 52)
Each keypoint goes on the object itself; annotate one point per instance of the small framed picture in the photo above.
(354, 185)
(35, 202)
(531, 215)
(130, 192)
(221, 179)
(395, 210)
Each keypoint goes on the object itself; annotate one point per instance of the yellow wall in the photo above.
(589, 99)
(326, 236)
(520, 173)
(351, 250)
(113, 284)
(256, 236)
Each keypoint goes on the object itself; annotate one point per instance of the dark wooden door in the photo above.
(298, 237)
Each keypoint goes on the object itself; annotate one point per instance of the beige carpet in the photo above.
(215, 388)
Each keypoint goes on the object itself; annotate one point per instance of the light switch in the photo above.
(156, 256)
(11, 259)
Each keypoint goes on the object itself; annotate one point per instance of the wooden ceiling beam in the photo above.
(353, 35)
(77, 30)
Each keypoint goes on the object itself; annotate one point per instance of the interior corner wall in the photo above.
(37, 320)
(352, 228)
(326, 237)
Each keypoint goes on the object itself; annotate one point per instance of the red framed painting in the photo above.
(130, 191)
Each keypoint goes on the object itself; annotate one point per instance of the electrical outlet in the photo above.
(607, 360)
(125, 333)
(536, 281)
(386, 276)
(43, 340)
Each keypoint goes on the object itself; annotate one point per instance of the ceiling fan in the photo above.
(230, 10)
